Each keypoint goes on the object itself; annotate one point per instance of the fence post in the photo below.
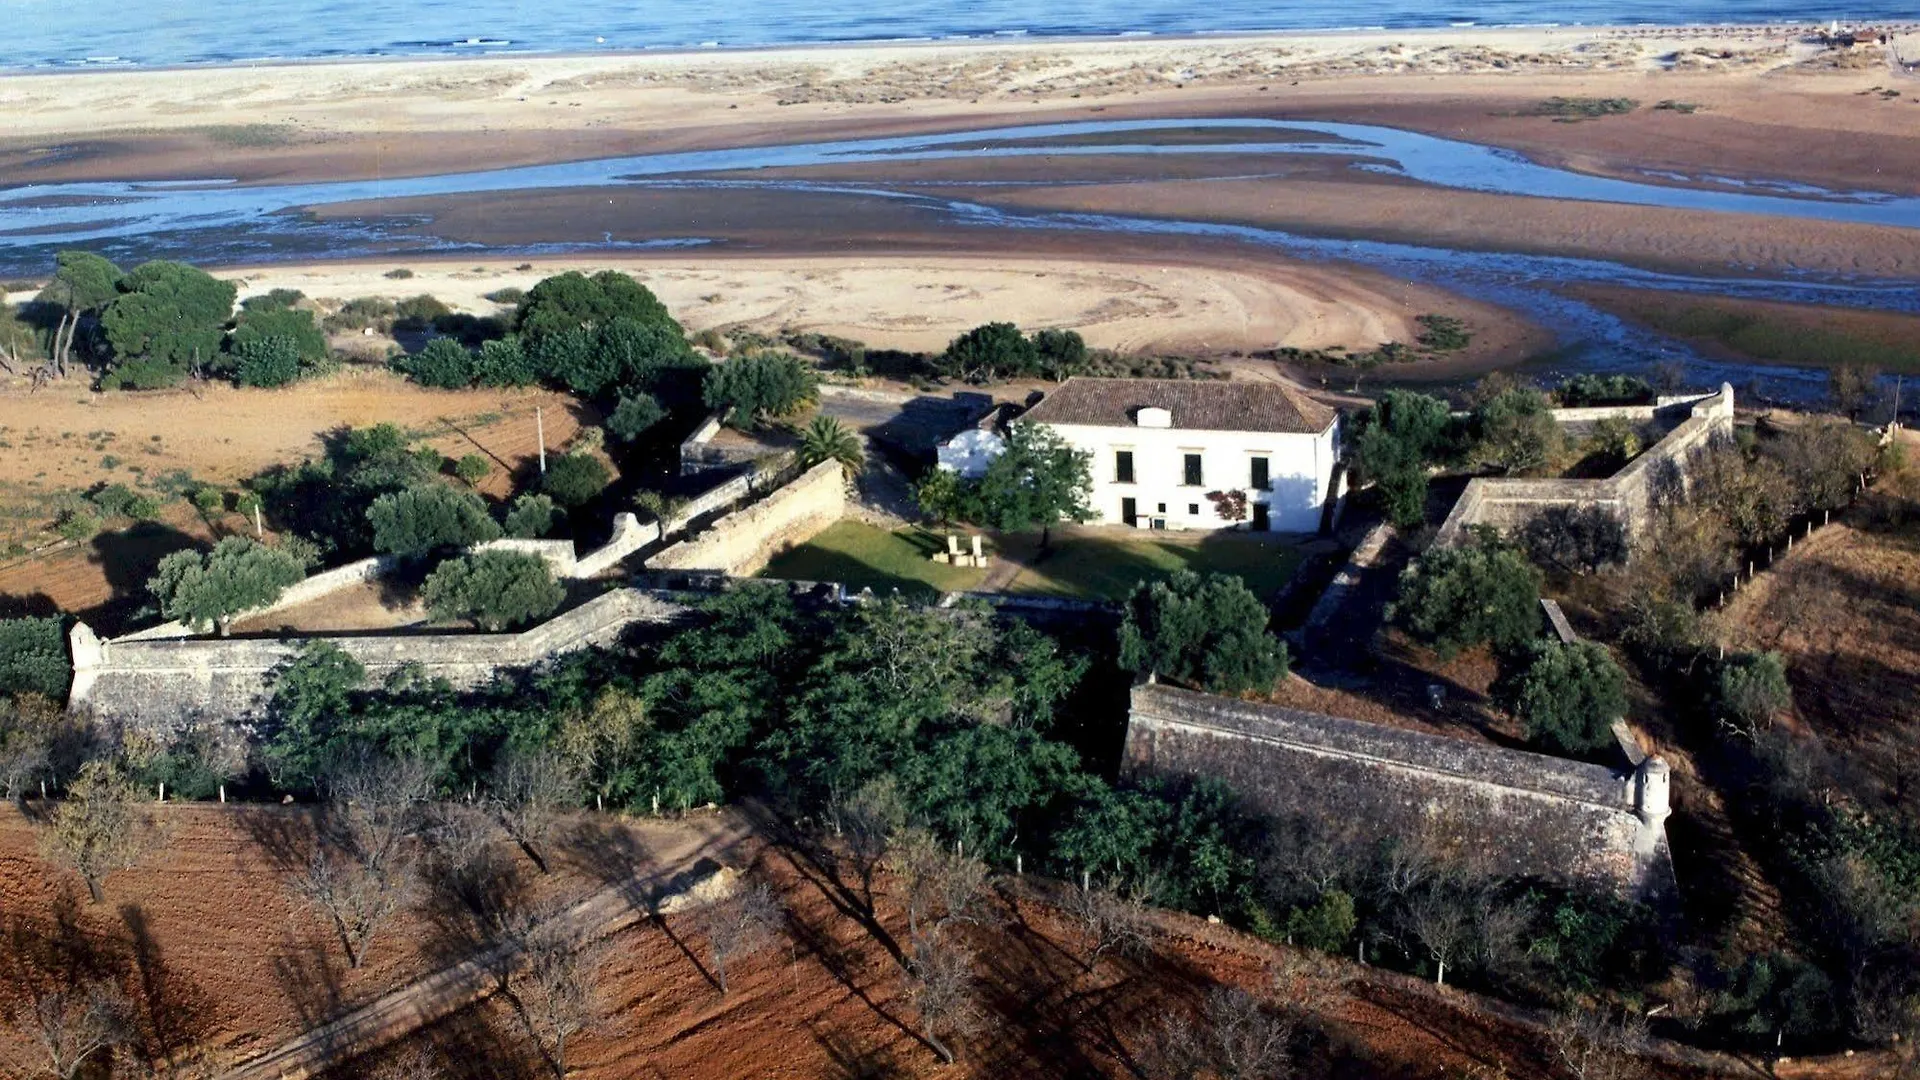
(223, 794)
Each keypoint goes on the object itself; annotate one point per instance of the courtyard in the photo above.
(1085, 562)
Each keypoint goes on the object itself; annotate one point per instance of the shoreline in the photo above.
(1251, 36)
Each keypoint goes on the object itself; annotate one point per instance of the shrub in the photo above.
(754, 386)
(994, 351)
(266, 361)
(363, 313)
(1060, 352)
(509, 296)
(1327, 926)
(33, 658)
(496, 589)
(1568, 696)
(418, 312)
(1750, 690)
(634, 415)
(210, 501)
(574, 301)
(472, 468)
(1210, 632)
(1483, 592)
(1442, 333)
(429, 517)
(573, 479)
(1586, 390)
(76, 525)
(502, 362)
(442, 362)
(1576, 539)
(531, 517)
(400, 274)
(269, 321)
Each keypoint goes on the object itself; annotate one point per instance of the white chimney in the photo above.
(1150, 416)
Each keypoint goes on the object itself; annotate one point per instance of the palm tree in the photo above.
(827, 439)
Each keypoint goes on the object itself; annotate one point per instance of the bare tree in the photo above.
(358, 901)
(67, 1027)
(99, 827)
(741, 925)
(1110, 922)
(25, 757)
(940, 985)
(1593, 1046)
(1237, 1037)
(466, 861)
(940, 885)
(1440, 921)
(376, 804)
(530, 791)
(364, 868)
(866, 823)
(557, 987)
(413, 1063)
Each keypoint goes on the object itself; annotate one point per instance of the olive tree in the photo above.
(1477, 593)
(239, 574)
(496, 589)
(1568, 696)
(1209, 631)
(427, 518)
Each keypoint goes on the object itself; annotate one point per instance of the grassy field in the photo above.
(1107, 566)
(861, 556)
(1772, 332)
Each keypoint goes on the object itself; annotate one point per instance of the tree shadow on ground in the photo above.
(127, 559)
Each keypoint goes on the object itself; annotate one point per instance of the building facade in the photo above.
(1190, 453)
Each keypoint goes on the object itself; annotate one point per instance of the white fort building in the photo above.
(1172, 453)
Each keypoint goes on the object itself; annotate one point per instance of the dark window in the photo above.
(1162, 510)
(1193, 471)
(1193, 509)
(1129, 511)
(1260, 521)
(1123, 466)
(1262, 479)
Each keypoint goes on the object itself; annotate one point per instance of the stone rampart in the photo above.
(739, 544)
(1630, 493)
(1518, 814)
(159, 683)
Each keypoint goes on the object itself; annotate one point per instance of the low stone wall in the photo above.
(1518, 814)
(740, 544)
(160, 683)
(1629, 494)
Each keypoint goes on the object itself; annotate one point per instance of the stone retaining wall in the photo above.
(1518, 814)
(1629, 494)
(160, 683)
(741, 543)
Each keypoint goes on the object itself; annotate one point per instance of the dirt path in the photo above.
(447, 991)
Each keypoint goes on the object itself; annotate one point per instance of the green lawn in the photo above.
(862, 556)
(1108, 567)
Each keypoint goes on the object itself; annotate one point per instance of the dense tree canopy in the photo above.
(1209, 632)
(752, 387)
(1568, 696)
(496, 589)
(442, 362)
(427, 518)
(1400, 439)
(168, 319)
(573, 301)
(265, 361)
(83, 285)
(208, 589)
(1477, 593)
(574, 479)
(326, 501)
(33, 658)
(1037, 481)
(1514, 431)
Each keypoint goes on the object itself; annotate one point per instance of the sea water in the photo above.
(61, 33)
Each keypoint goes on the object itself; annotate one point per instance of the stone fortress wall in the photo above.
(164, 676)
(1630, 493)
(1518, 814)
